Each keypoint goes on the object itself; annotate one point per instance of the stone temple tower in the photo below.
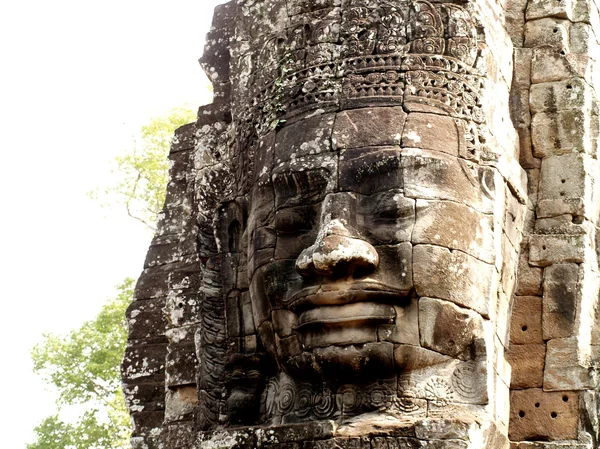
(382, 234)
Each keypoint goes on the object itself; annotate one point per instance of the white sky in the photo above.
(77, 80)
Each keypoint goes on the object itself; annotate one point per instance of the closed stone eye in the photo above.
(293, 220)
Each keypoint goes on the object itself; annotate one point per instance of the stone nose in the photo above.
(336, 253)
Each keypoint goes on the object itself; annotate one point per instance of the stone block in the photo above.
(455, 226)
(147, 423)
(145, 396)
(405, 329)
(539, 415)
(553, 207)
(563, 177)
(526, 158)
(548, 32)
(264, 237)
(563, 132)
(246, 314)
(437, 176)
(520, 109)
(443, 429)
(342, 336)
(175, 214)
(180, 403)
(180, 435)
(234, 318)
(145, 318)
(561, 292)
(550, 65)
(371, 357)
(529, 279)
(142, 363)
(180, 366)
(526, 321)
(514, 219)
(533, 186)
(305, 137)
(261, 19)
(434, 132)
(583, 38)
(545, 250)
(562, 9)
(283, 322)
(448, 329)
(565, 368)
(304, 180)
(368, 172)
(515, 25)
(366, 127)
(522, 67)
(527, 362)
(288, 346)
(185, 276)
(400, 257)
(259, 258)
(569, 94)
(152, 283)
(182, 307)
(501, 317)
(453, 276)
(562, 225)
(164, 250)
(386, 217)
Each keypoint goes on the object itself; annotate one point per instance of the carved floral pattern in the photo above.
(466, 381)
(392, 29)
(350, 399)
(359, 32)
(438, 391)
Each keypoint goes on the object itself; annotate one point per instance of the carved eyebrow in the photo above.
(362, 168)
(300, 187)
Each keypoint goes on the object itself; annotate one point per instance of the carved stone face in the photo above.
(349, 241)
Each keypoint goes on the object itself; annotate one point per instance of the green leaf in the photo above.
(84, 366)
(141, 174)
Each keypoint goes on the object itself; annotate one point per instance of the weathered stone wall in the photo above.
(493, 262)
(555, 109)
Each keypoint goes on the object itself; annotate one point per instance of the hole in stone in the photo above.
(524, 328)
(562, 193)
(537, 405)
(544, 247)
(569, 87)
(554, 415)
(578, 219)
(562, 52)
(565, 398)
(522, 414)
(555, 30)
(563, 180)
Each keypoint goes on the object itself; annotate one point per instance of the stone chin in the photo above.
(337, 364)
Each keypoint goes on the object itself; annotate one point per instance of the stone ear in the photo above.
(230, 236)
(230, 227)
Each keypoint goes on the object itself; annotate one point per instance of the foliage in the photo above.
(142, 172)
(84, 365)
(84, 368)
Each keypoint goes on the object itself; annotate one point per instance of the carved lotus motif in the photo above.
(438, 391)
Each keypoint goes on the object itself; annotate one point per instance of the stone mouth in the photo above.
(348, 314)
(338, 294)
